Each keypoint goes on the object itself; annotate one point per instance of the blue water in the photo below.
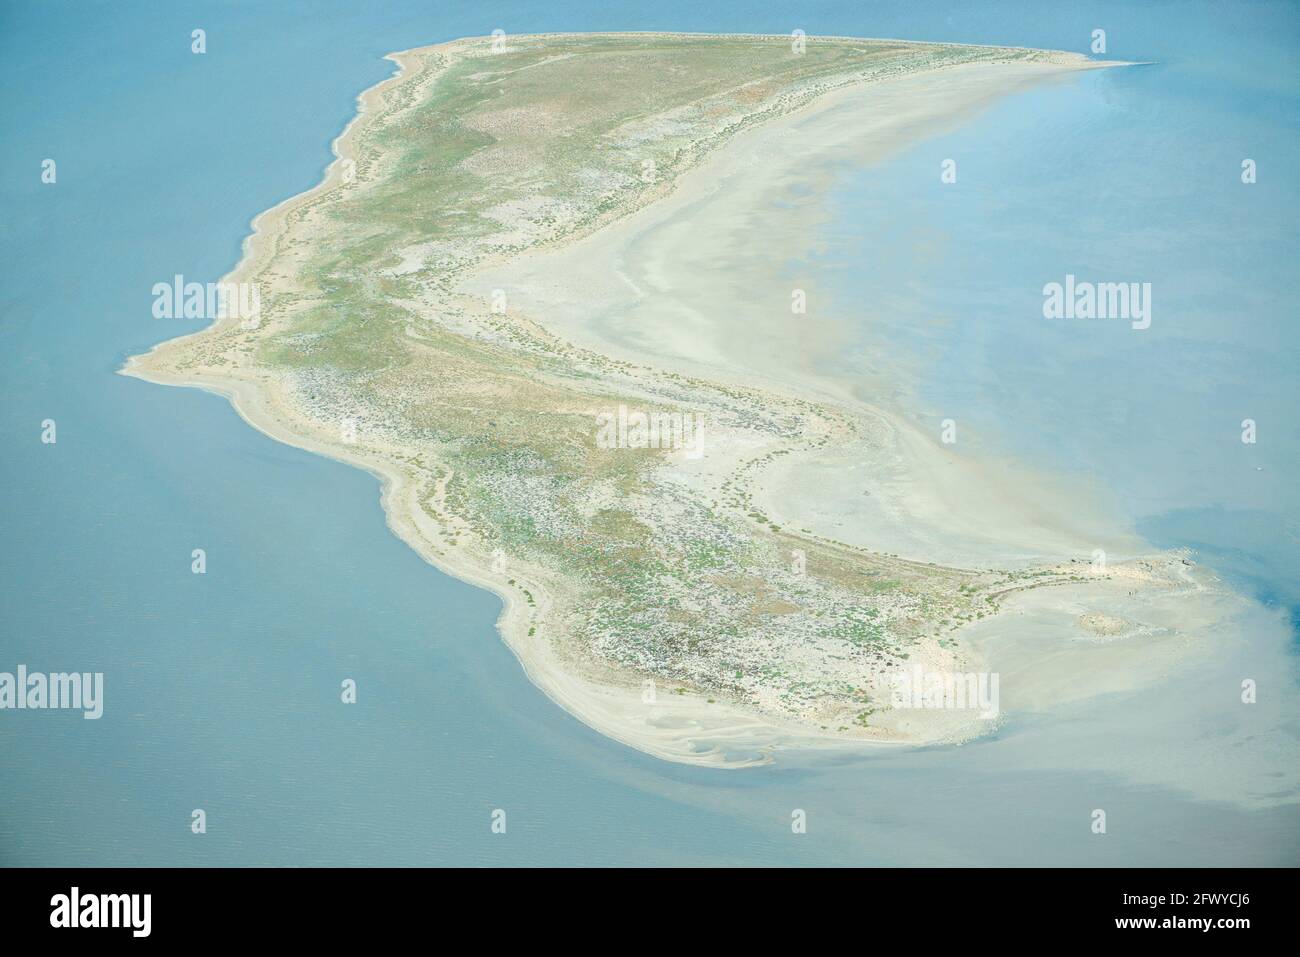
(221, 689)
(1125, 175)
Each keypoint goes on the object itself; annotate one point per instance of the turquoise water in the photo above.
(221, 689)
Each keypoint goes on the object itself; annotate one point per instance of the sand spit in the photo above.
(572, 290)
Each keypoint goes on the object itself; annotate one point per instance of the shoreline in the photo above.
(684, 728)
(653, 248)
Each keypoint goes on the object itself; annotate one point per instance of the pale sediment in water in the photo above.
(669, 282)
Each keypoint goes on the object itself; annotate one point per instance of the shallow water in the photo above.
(1119, 175)
(221, 689)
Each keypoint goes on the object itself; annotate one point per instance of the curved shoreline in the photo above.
(685, 727)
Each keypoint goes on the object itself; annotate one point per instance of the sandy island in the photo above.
(602, 308)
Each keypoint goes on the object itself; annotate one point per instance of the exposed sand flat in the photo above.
(689, 284)
(678, 282)
(649, 285)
